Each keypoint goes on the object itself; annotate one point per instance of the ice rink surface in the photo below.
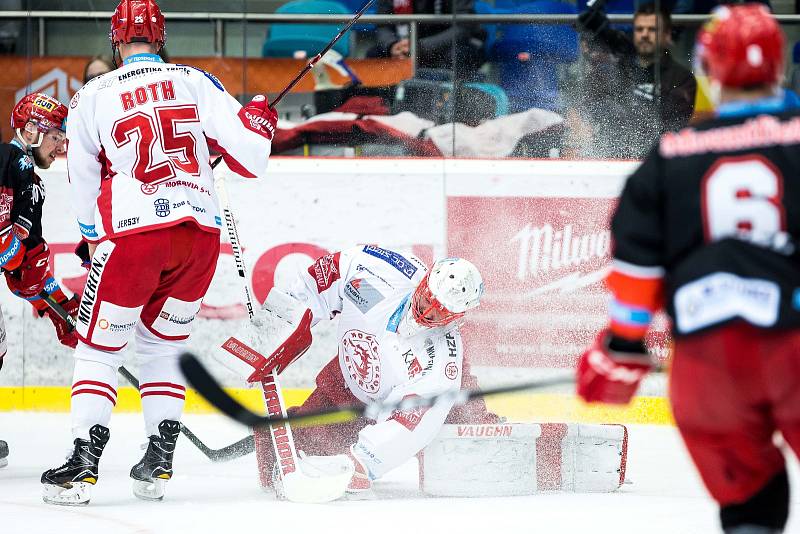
(664, 494)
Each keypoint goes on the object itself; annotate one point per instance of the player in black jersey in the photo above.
(39, 123)
(707, 228)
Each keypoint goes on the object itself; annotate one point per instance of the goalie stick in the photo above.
(295, 484)
(235, 450)
(208, 387)
(313, 61)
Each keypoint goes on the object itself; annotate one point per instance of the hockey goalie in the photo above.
(398, 337)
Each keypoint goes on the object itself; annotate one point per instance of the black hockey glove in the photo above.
(82, 251)
(593, 21)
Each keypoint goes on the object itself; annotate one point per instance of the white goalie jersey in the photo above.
(138, 148)
(368, 289)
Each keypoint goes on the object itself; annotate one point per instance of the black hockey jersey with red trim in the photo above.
(21, 194)
(716, 210)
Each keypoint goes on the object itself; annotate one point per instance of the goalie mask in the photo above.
(453, 286)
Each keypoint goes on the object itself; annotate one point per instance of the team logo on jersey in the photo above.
(75, 99)
(325, 271)
(361, 293)
(25, 163)
(162, 207)
(359, 351)
(149, 189)
(451, 370)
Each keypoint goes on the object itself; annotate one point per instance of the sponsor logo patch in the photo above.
(90, 290)
(124, 223)
(394, 259)
(359, 351)
(412, 363)
(325, 271)
(162, 207)
(397, 316)
(451, 370)
(361, 293)
(452, 349)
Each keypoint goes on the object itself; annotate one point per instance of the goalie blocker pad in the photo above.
(277, 335)
(523, 458)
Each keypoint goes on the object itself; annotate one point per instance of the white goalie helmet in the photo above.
(451, 287)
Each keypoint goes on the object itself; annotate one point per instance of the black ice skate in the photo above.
(71, 483)
(3, 453)
(151, 474)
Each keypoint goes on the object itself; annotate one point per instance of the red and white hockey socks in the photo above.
(94, 395)
(163, 392)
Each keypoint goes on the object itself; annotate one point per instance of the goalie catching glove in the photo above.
(277, 335)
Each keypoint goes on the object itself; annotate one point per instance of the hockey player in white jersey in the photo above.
(397, 337)
(142, 187)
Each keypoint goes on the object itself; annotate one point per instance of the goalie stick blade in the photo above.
(205, 384)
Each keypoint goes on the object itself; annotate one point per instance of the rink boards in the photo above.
(537, 230)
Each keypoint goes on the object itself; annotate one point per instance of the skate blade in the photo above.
(149, 491)
(77, 494)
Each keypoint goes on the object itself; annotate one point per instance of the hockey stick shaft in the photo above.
(310, 65)
(209, 388)
(281, 433)
(312, 62)
(226, 453)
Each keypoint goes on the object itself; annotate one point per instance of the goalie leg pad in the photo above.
(523, 458)
(319, 479)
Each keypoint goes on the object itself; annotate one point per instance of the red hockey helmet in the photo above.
(742, 46)
(137, 21)
(41, 109)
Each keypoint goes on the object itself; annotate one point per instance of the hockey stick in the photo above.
(312, 63)
(296, 485)
(208, 387)
(235, 450)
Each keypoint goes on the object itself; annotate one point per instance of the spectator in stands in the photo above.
(655, 93)
(96, 66)
(9, 28)
(438, 45)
